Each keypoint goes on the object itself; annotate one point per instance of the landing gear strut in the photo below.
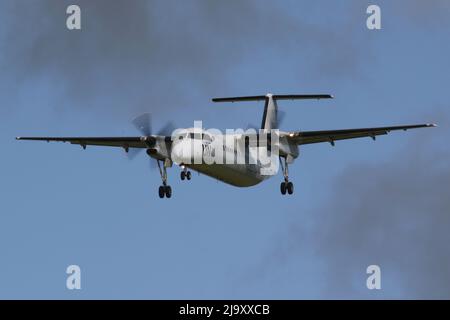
(286, 185)
(164, 190)
(185, 174)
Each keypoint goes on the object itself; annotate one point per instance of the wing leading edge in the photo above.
(308, 137)
(123, 142)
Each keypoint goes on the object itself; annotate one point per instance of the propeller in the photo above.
(281, 115)
(143, 124)
(252, 126)
(167, 130)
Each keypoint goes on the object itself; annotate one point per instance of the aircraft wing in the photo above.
(308, 137)
(123, 142)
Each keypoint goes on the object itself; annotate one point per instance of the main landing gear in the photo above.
(164, 190)
(185, 174)
(286, 185)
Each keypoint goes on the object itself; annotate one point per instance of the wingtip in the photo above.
(18, 138)
(432, 125)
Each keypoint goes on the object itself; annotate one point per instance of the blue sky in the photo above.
(61, 205)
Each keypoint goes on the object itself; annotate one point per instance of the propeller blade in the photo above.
(153, 165)
(144, 124)
(133, 152)
(252, 126)
(167, 130)
(281, 116)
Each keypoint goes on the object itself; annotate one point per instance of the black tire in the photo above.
(283, 188)
(168, 191)
(290, 187)
(182, 175)
(161, 191)
(188, 175)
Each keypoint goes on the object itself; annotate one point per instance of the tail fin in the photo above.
(269, 120)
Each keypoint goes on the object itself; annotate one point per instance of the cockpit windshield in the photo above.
(204, 136)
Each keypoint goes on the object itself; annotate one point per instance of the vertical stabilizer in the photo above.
(269, 120)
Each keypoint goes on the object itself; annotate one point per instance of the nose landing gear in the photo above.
(185, 174)
(286, 185)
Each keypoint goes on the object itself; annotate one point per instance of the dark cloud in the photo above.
(395, 214)
(143, 55)
(156, 55)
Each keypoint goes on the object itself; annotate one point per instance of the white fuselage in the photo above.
(208, 154)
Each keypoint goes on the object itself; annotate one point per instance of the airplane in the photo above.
(164, 149)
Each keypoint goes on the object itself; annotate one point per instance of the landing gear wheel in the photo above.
(185, 174)
(290, 187)
(283, 188)
(164, 190)
(168, 191)
(161, 191)
(286, 186)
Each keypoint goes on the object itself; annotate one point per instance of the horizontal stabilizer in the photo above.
(275, 97)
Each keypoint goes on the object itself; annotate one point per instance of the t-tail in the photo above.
(270, 119)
